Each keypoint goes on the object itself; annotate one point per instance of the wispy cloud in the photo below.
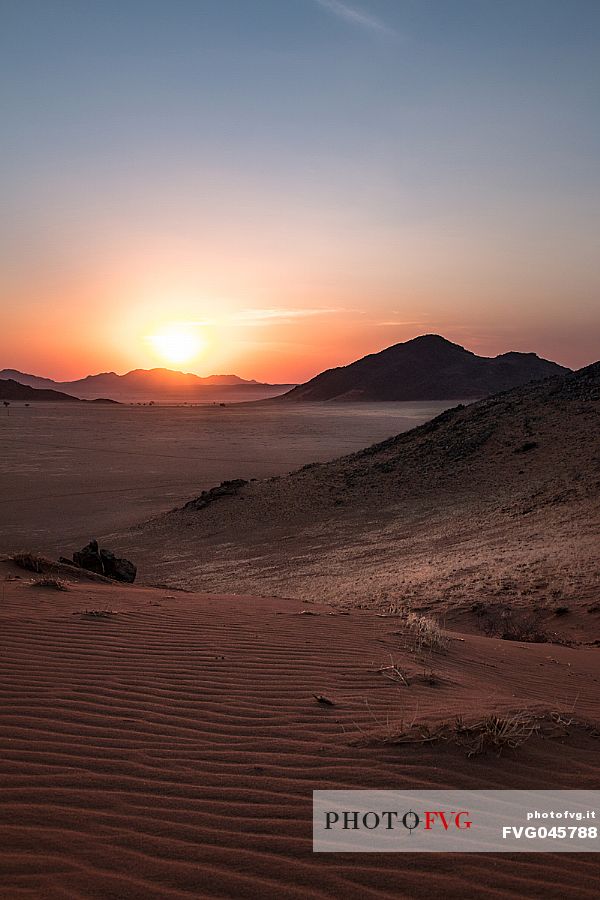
(356, 16)
(402, 322)
(271, 315)
(274, 314)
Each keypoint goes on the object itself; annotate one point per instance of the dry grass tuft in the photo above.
(429, 677)
(396, 608)
(49, 581)
(492, 733)
(425, 633)
(98, 613)
(495, 733)
(394, 673)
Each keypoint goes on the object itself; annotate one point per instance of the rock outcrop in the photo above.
(104, 562)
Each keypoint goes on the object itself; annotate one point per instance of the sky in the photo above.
(275, 187)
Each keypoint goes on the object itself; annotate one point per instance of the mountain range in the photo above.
(137, 377)
(428, 367)
(143, 385)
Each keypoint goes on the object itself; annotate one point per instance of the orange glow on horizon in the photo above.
(277, 336)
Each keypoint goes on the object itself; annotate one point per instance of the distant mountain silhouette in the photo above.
(158, 378)
(32, 380)
(163, 385)
(14, 392)
(426, 368)
(136, 376)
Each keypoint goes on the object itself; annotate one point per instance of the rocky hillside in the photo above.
(426, 368)
(499, 498)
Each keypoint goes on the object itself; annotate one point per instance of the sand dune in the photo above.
(171, 749)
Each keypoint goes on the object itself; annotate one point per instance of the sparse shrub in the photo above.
(511, 625)
(428, 676)
(425, 633)
(561, 611)
(49, 581)
(492, 733)
(523, 629)
(495, 733)
(396, 608)
(99, 613)
(394, 673)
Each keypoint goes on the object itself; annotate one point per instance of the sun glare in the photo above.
(177, 343)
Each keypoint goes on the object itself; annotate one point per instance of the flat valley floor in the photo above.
(69, 473)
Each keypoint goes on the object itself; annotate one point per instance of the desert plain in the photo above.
(69, 473)
(382, 607)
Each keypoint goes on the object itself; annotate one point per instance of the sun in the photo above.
(177, 343)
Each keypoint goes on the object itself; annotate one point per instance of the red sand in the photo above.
(171, 749)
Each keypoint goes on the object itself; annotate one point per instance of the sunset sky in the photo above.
(273, 187)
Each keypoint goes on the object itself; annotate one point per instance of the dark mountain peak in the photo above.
(102, 376)
(434, 340)
(518, 354)
(428, 367)
(434, 345)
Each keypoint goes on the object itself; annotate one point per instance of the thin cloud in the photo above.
(403, 322)
(271, 314)
(356, 16)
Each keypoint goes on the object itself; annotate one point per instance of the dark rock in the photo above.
(225, 489)
(89, 558)
(527, 447)
(124, 570)
(117, 568)
(104, 562)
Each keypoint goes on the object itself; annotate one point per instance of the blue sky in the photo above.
(428, 164)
